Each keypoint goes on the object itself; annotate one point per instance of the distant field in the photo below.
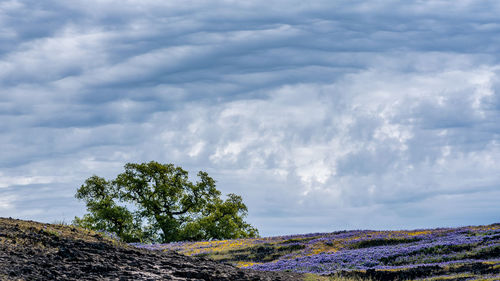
(466, 253)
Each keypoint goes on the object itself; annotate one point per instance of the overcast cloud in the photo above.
(323, 115)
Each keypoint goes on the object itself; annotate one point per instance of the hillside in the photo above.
(465, 253)
(35, 251)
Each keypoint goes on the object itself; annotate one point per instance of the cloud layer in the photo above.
(323, 116)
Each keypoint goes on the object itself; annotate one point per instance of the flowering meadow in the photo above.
(467, 252)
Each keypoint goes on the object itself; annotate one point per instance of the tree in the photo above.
(164, 204)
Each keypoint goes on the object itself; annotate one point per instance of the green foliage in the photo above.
(167, 206)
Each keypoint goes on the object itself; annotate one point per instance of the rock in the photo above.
(35, 251)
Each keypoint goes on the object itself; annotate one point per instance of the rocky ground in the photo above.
(35, 251)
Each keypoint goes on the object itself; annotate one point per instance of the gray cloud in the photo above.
(323, 115)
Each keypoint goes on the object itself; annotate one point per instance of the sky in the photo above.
(323, 115)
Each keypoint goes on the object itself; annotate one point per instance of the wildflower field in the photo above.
(466, 253)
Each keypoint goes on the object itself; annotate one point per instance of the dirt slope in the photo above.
(35, 251)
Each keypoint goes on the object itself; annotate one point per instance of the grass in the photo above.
(382, 242)
(484, 251)
(462, 276)
(438, 254)
(60, 222)
(315, 277)
(57, 231)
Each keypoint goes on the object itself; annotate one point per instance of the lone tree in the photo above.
(153, 202)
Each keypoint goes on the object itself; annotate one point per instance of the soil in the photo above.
(36, 251)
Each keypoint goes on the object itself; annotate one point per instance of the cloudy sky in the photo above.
(323, 115)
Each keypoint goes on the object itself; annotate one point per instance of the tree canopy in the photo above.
(153, 202)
